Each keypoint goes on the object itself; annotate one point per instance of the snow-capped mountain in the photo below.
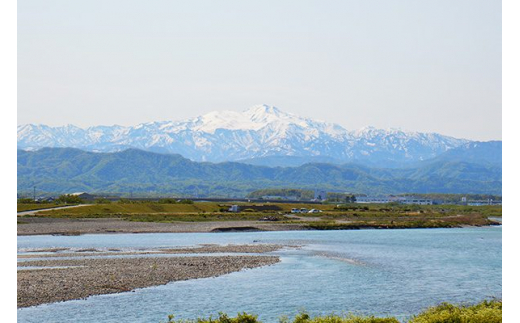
(259, 132)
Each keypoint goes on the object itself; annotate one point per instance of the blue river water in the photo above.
(380, 272)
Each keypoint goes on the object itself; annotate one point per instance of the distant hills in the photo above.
(470, 168)
(487, 153)
(230, 153)
(261, 135)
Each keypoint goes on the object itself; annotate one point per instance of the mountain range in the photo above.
(66, 170)
(261, 135)
(231, 153)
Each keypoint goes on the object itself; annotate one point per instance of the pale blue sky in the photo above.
(432, 66)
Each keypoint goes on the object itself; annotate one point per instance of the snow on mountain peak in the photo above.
(254, 118)
(263, 109)
(259, 131)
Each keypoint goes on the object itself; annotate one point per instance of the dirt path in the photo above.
(32, 212)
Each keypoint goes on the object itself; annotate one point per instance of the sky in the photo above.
(428, 66)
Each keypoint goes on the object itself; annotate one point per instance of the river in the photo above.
(379, 272)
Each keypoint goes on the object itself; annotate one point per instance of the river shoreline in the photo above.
(42, 281)
(71, 227)
(53, 226)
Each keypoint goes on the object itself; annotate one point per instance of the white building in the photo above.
(277, 197)
(390, 199)
(416, 201)
(373, 199)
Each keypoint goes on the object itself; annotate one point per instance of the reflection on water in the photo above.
(381, 272)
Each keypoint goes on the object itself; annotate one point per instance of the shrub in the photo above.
(222, 318)
(25, 201)
(69, 199)
(484, 312)
(349, 318)
(168, 201)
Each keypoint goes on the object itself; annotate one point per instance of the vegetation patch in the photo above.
(484, 312)
(27, 204)
(329, 216)
(36, 206)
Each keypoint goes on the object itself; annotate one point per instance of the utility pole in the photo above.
(34, 193)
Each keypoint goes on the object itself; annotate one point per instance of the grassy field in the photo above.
(484, 312)
(36, 206)
(137, 208)
(155, 212)
(352, 216)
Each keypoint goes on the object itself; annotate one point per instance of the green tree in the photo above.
(69, 199)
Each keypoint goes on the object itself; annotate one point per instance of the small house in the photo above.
(234, 208)
(84, 196)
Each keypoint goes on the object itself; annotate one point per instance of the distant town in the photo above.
(319, 197)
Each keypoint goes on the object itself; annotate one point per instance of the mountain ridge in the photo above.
(65, 170)
(258, 132)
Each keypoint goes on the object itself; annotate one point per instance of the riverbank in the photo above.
(55, 280)
(64, 226)
(483, 312)
(77, 226)
(156, 217)
(364, 271)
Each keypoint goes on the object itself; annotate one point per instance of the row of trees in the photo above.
(340, 198)
(62, 199)
(73, 199)
(302, 194)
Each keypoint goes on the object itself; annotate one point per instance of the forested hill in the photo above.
(65, 170)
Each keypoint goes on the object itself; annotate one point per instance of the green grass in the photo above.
(201, 217)
(300, 318)
(108, 209)
(484, 312)
(395, 221)
(36, 206)
(154, 212)
(348, 318)
(352, 216)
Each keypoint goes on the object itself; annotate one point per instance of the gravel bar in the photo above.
(86, 277)
(203, 249)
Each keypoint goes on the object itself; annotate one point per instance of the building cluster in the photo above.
(394, 199)
(421, 201)
(465, 201)
(282, 198)
(320, 196)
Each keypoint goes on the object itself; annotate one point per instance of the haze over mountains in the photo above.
(227, 154)
(261, 135)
